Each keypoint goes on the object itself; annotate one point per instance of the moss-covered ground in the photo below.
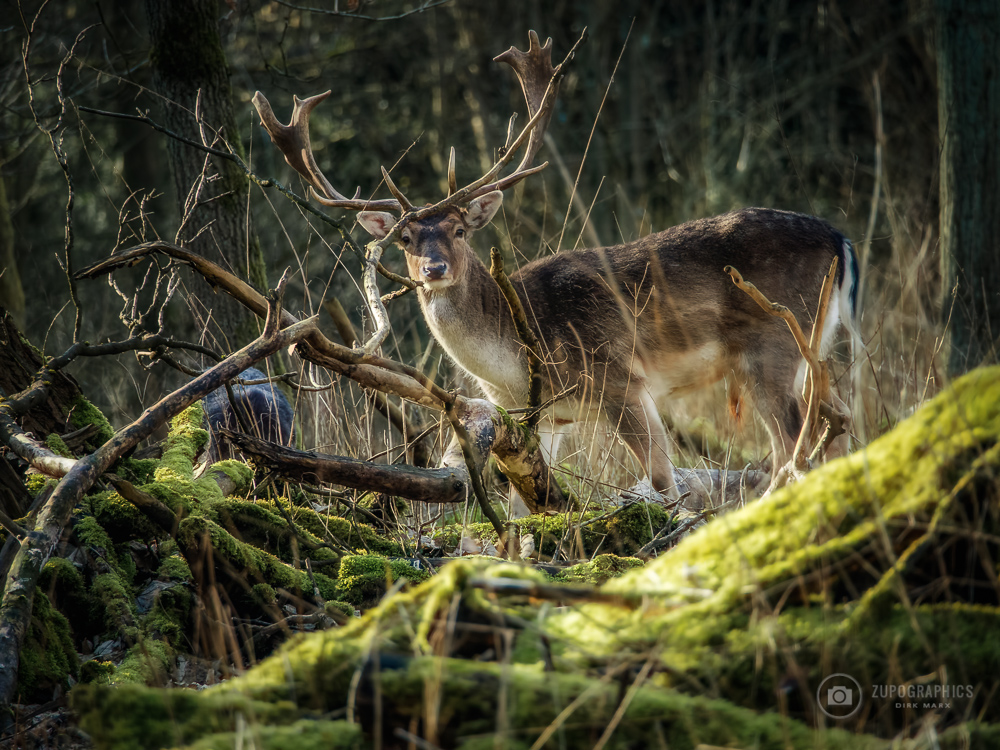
(882, 566)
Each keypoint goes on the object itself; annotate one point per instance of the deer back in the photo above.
(663, 309)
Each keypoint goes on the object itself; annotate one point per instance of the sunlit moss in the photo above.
(602, 568)
(57, 445)
(148, 662)
(364, 579)
(744, 616)
(84, 413)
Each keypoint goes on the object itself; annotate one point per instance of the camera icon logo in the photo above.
(839, 696)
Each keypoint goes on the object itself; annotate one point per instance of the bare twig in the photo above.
(524, 333)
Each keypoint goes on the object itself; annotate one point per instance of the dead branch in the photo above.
(40, 458)
(525, 333)
(155, 510)
(369, 370)
(514, 446)
(420, 485)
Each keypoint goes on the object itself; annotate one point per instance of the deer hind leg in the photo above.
(638, 423)
(771, 387)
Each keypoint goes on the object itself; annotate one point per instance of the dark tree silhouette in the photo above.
(191, 73)
(968, 46)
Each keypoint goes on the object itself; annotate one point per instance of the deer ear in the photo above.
(378, 223)
(481, 210)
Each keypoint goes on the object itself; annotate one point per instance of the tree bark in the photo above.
(11, 289)
(190, 71)
(968, 49)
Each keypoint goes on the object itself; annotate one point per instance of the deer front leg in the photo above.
(638, 423)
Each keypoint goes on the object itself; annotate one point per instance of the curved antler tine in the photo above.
(452, 182)
(293, 139)
(404, 204)
(356, 203)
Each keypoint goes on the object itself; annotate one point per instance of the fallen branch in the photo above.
(515, 448)
(417, 484)
(40, 458)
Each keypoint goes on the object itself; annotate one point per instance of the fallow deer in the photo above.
(629, 325)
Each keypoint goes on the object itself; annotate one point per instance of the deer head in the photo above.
(437, 248)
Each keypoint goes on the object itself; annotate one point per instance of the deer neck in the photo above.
(472, 322)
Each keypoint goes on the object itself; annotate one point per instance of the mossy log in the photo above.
(881, 565)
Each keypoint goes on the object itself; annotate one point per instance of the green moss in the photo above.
(263, 524)
(170, 616)
(35, 483)
(307, 734)
(84, 413)
(173, 479)
(92, 534)
(573, 534)
(240, 474)
(345, 608)
(47, 657)
(364, 579)
(119, 518)
(173, 567)
(653, 717)
(843, 503)
(142, 719)
(97, 672)
(148, 662)
(351, 533)
(57, 445)
(860, 568)
(138, 471)
(68, 593)
(263, 594)
(115, 605)
(254, 564)
(61, 579)
(602, 568)
(185, 441)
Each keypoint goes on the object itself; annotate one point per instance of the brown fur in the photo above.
(633, 324)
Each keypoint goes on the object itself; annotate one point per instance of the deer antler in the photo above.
(293, 142)
(534, 70)
(540, 85)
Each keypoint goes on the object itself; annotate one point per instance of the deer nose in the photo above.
(434, 271)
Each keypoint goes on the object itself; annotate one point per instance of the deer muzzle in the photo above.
(435, 273)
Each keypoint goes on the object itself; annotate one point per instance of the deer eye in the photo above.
(405, 239)
(460, 232)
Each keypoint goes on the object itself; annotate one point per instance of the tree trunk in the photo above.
(190, 71)
(11, 289)
(968, 49)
